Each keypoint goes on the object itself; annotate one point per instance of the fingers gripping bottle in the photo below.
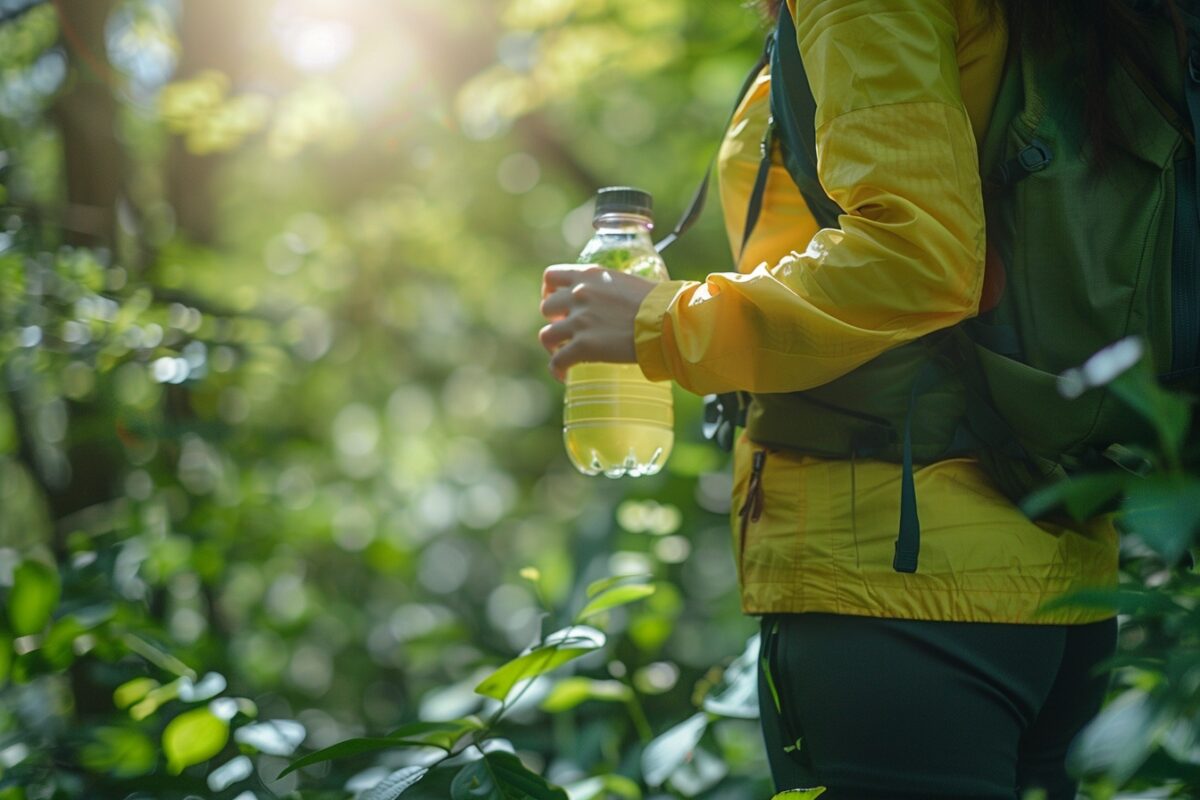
(615, 421)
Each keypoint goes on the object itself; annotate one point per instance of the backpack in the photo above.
(1088, 257)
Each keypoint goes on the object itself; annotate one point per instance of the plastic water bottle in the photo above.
(615, 421)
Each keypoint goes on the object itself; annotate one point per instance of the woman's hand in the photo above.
(591, 311)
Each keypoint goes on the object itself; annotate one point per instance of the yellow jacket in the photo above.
(904, 89)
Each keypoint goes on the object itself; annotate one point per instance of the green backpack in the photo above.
(1089, 258)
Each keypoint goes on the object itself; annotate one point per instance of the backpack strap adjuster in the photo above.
(1033, 157)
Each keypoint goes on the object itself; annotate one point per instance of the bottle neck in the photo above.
(628, 224)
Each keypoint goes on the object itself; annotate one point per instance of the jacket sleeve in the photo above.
(895, 150)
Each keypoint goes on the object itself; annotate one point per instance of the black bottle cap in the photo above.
(623, 200)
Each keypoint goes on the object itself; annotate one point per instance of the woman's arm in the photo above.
(895, 149)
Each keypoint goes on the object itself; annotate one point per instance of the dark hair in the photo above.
(769, 9)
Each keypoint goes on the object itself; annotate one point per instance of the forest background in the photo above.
(281, 467)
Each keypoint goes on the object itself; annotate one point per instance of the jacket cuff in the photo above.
(649, 337)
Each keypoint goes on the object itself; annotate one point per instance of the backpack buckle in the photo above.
(768, 139)
(1035, 157)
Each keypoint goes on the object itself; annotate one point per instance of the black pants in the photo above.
(895, 709)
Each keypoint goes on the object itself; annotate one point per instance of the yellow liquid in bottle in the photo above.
(615, 422)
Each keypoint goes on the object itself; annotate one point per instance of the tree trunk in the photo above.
(86, 115)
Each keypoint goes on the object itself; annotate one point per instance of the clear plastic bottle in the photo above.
(615, 421)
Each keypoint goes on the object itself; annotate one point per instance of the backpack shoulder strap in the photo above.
(696, 205)
(794, 110)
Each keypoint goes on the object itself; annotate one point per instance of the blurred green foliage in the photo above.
(281, 471)
(280, 461)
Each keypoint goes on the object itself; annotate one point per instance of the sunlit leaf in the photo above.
(211, 685)
(395, 784)
(670, 750)
(229, 773)
(154, 699)
(559, 648)
(698, 774)
(361, 781)
(602, 787)
(800, 794)
(570, 692)
(33, 597)
(531, 665)
(277, 737)
(132, 691)
(604, 584)
(442, 735)
(501, 776)
(120, 752)
(737, 693)
(1118, 740)
(223, 708)
(193, 737)
(619, 596)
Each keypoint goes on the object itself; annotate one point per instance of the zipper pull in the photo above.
(752, 509)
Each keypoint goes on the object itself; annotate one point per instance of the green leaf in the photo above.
(698, 774)
(622, 786)
(736, 695)
(350, 747)
(276, 737)
(6, 658)
(233, 771)
(1081, 496)
(132, 691)
(154, 699)
(602, 787)
(1167, 411)
(1164, 512)
(531, 665)
(604, 584)
(34, 595)
(1122, 600)
(558, 648)
(570, 692)
(120, 752)
(442, 735)
(800, 794)
(502, 776)
(622, 595)
(193, 737)
(58, 646)
(395, 784)
(1119, 739)
(672, 749)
